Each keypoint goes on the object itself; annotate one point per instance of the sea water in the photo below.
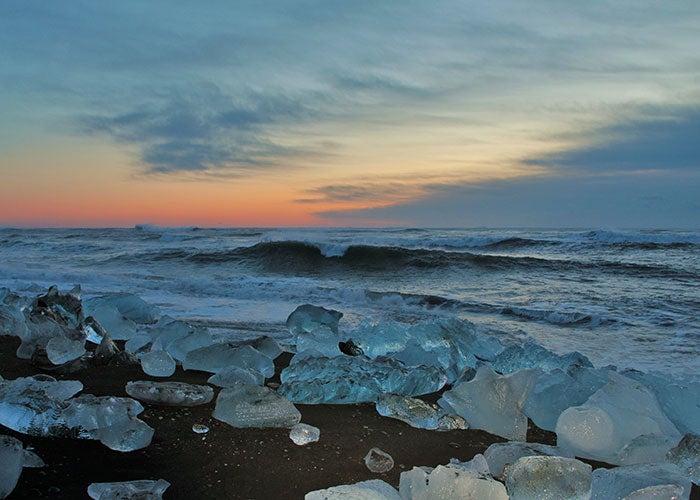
(627, 298)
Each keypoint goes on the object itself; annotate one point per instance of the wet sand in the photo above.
(233, 463)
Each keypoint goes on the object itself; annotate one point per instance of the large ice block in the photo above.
(255, 406)
(619, 482)
(170, 393)
(65, 307)
(129, 306)
(557, 390)
(678, 395)
(307, 318)
(218, 357)
(500, 455)
(548, 478)
(449, 482)
(451, 344)
(493, 402)
(111, 420)
(621, 423)
(42, 406)
(355, 379)
(143, 489)
(374, 489)
(533, 355)
(687, 456)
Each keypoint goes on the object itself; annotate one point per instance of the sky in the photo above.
(546, 113)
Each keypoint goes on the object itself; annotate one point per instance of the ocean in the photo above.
(626, 298)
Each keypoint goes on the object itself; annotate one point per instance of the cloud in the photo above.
(205, 131)
(642, 172)
(664, 141)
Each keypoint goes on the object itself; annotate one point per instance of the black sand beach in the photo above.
(228, 462)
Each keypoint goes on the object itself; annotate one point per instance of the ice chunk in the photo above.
(303, 434)
(322, 339)
(179, 348)
(140, 489)
(170, 393)
(218, 357)
(355, 379)
(158, 363)
(493, 402)
(609, 425)
(12, 321)
(109, 419)
(61, 349)
(129, 306)
(233, 375)
(379, 461)
(40, 330)
(500, 455)
(678, 396)
(168, 330)
(532, 355)
(374, 489)
(138, 344)
(451, 344)
(66, 307)
(659, 492)
(415, 412)
(266, 345)
(307, 318)
(11, 457)
(31, 404)
(449, 482)
(255, 406)
(687, 456)
(32, 460)
(619, 482)
(557, 390)
(545, 477)
(114, 323)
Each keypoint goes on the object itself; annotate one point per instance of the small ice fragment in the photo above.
(141, 489)
(11, 457)
(61, 349)
(200, 428)
(255, 406)
(413, 411)
(32, 460)
(687, 456)
(303, 434)
(378, 461)
(170, 393)
(158, 363)
(374, 489)
(548, 478)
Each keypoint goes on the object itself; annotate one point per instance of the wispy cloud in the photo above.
(205, 131)
(663, 140)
